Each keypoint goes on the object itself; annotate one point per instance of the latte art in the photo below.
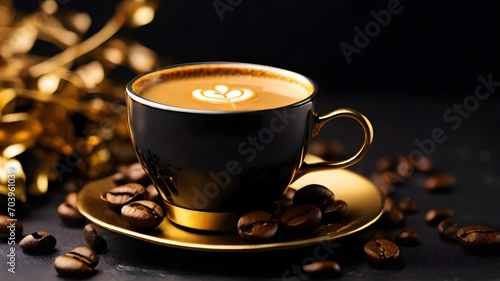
(223, 94)
(220, 87)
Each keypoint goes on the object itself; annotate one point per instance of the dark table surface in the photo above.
(470, 152)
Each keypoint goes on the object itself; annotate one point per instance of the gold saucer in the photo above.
(365, 205)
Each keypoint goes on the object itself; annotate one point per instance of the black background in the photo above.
(429, 48)
(422, 64)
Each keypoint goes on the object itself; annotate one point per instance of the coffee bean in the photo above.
(407, 205)
(136, 173)
(10, 228)
(153, 194)
(385, 181)
(326, 268)
(257, 226)
(335, 148)
(439, 182)
(334, 212)
(91, 233)
(381, 251)
(435, 216)
(404, 167)
(384, 164)
(79, 263)
(314, 194)
(447, 229)
(327, 229)
(143, 214)
(423, 163)
(68, 211)
(407, 237)
(391, 215)
(478, 237)
(318, 148)
(38, 243)
(122, 195)
(302, 218)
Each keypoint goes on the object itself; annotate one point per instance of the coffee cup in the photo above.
(222, 138)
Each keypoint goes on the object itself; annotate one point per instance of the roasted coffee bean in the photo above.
(326, 268)
(407, 205)
(381, 251)
(285, 202)
(384, 164)
(404, 167)
(143, 214)
(314, 194)
(318, 148)
(407, 237)
(391, 215)
(439, 182)
(10, 229)
(385, 181)
(334, 212)
(68, 211)
(91, 233)
(153, 194)
(79, 263)
(38, 243)
(327, 229)
(122, 195)
(257, 226)
(435, 216)
(136, 174)
(447, 229)
(335, 148)
(301, 218)
(478, 237)
(423, 164)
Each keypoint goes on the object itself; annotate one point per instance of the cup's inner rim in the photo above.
(144, 81)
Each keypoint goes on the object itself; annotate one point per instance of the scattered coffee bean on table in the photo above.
(326, 268)
(391, 215)
(38, 243)
(381, 251)
(407, 237)
(78, 263)
(302, 218)
(314, 194)
(143, 214)
(122, 195)
(423, 164)
(6, 225)
(447, 229)
(384, 164)
(68, 211)
(439, 182)
(435, 216)
(404, 167)
(478, 237)
(407, 205)
(257, 226)
(91, 234)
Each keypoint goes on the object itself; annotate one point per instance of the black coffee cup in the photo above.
(210, 166)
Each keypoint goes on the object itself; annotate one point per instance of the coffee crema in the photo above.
(224, 87)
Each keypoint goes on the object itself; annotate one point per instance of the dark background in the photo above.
(429, 48)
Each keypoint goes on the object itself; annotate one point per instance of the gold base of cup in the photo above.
(200, 220)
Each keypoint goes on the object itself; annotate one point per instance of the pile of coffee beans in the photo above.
(308, 212)
(136, 199)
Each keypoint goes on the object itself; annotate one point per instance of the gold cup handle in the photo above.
(320, 121)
